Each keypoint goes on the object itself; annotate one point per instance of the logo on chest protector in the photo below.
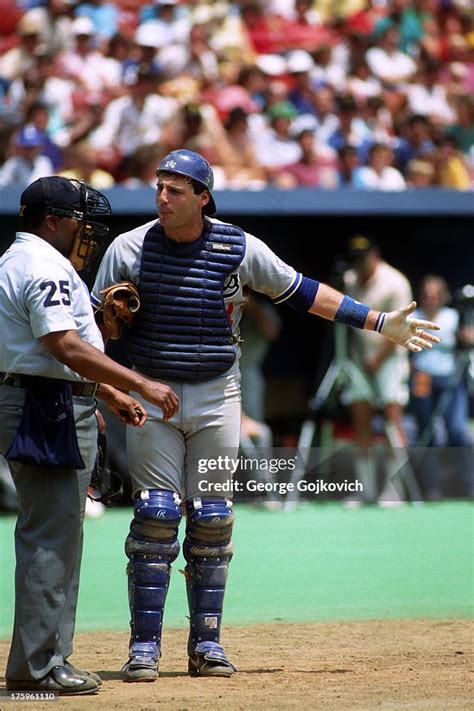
(218, 247)
(231, 286)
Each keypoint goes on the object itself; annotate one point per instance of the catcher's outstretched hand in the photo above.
(409, 332)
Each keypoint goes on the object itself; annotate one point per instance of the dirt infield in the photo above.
(360, 665)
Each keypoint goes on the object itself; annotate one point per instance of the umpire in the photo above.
(51, 361)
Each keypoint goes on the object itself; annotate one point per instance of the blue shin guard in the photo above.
(208, 551)
(151, 548)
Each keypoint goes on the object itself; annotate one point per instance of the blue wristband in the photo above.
(352, 312)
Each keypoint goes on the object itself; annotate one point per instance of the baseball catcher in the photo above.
(190, 270)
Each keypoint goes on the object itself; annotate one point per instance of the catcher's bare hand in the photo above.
(127, 408)
(161, 395)
(409, 332)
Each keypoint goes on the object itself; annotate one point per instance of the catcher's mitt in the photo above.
(120, 303)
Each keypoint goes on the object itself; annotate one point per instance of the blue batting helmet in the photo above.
(191, 165)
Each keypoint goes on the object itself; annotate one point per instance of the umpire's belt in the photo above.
(17, 380)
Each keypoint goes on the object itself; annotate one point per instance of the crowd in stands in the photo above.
(370, 94)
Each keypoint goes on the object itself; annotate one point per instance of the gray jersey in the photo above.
(40, 293)
(260, 269)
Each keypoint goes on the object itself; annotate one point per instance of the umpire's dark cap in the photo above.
(50, 193)
(358, 246)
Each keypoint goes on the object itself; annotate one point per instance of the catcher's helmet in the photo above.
(191, 165)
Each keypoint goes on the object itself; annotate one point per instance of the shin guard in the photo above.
(208, 551)
(151, 548)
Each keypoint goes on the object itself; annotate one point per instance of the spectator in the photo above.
(409, 18)
(103, 15)
(379, 174)
(326, 114)
(255, 82)
(193, 57)
(27, 162)
(427, 97)
(304, 13)
(384, 364)
(326, 72)
(19, 60)
(414, 141)
(141, 170)
(361, 84)
(147, 43)
(81, 164)
(434, 376)
(377, 119)
(38, 117)
(348, 164)
(228, 38)
(393, 67)
(57, 18)
(197, 127)
(257, 26)
(39, 85)
(452, 169)
(311, 171)
(277, 93)
(299, 66)
(136, 118)
(242, 169)
(170, 27)
(276, 147)
(84, 64)
(420, 174)
(352, 130)
(463, 129)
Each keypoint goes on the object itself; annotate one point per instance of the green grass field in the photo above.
(318, 563)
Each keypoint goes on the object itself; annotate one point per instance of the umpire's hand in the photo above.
(409, 332)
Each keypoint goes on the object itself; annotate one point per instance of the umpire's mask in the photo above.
(67, 197)
(89, 233)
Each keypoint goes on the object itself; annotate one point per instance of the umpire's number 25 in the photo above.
(52, 289)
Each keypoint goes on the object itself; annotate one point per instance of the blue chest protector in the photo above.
(182, 331)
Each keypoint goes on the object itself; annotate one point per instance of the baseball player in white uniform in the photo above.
(52, 366)
(385, 365)
(190, 271)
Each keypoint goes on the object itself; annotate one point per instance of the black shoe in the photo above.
(83, 674)
(59, 680)
(140, 668)
(209, 659)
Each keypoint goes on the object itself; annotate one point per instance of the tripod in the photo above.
(464, 366)
(341, 371)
